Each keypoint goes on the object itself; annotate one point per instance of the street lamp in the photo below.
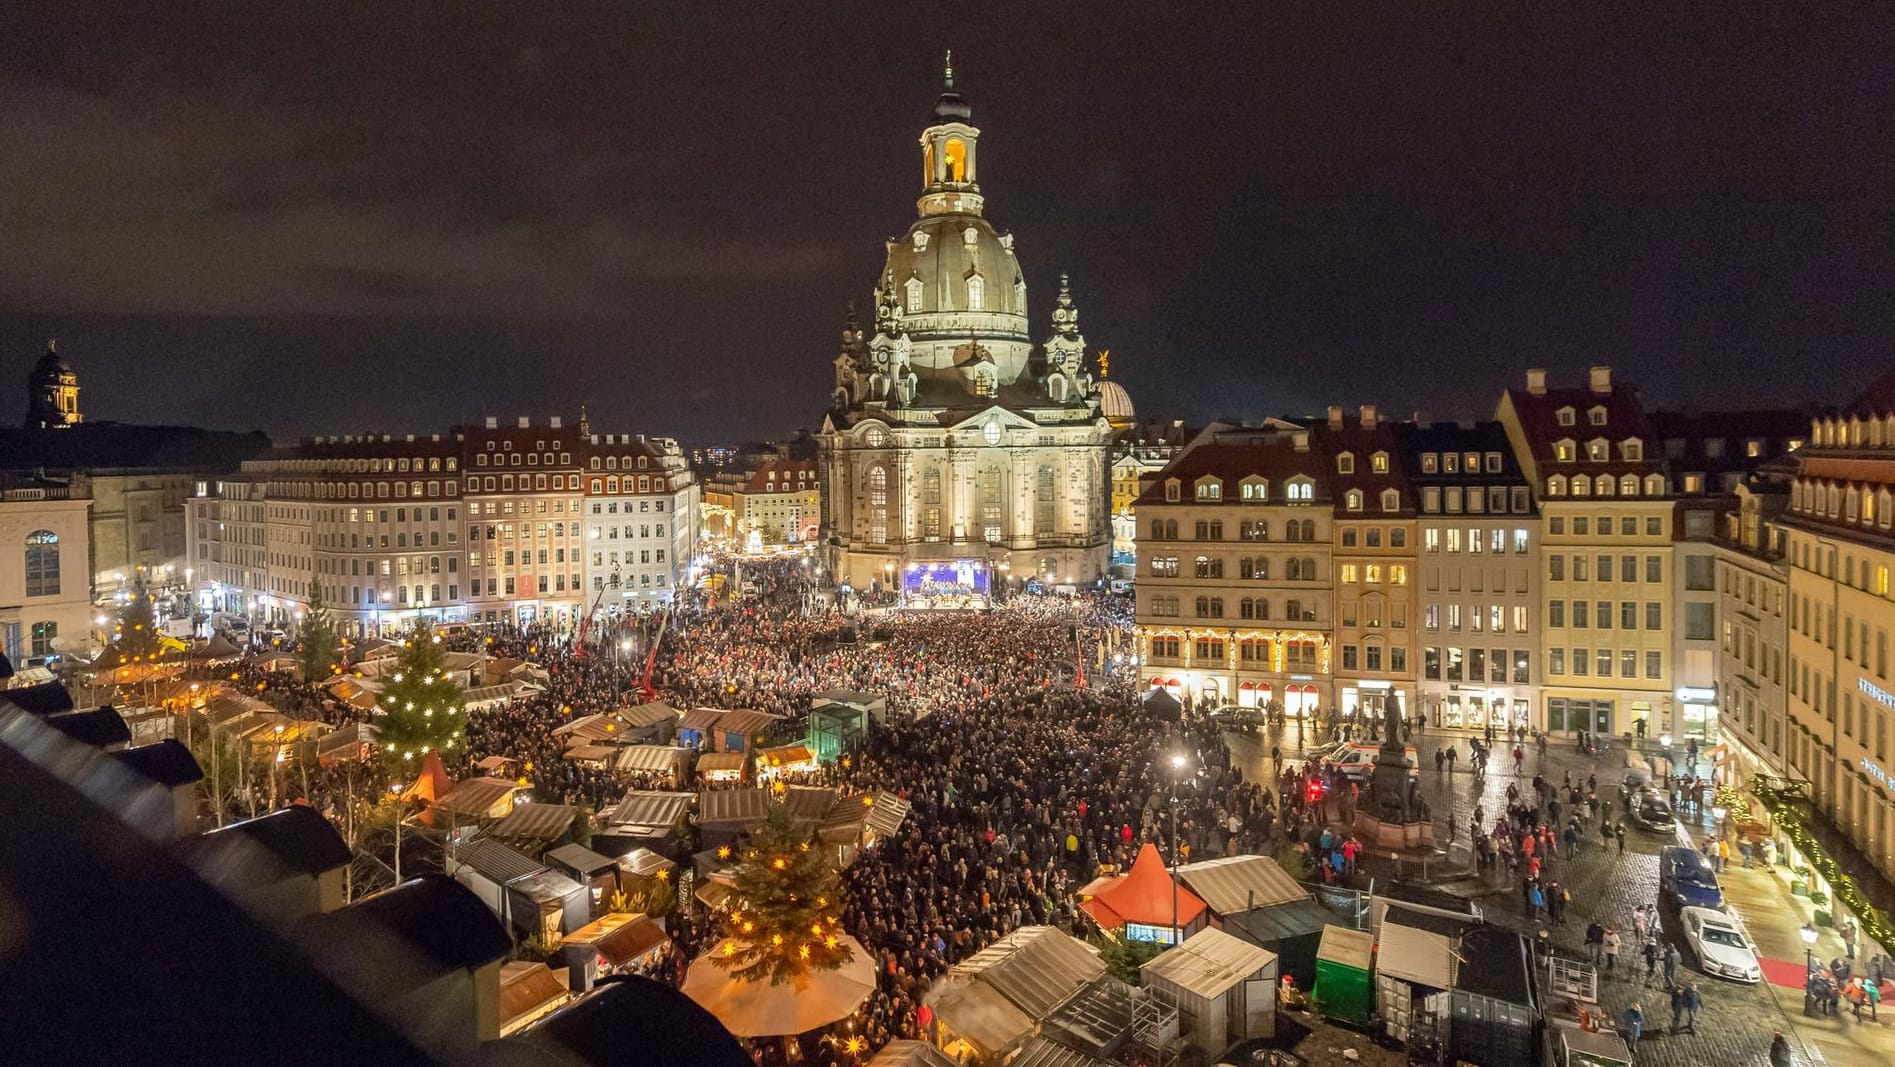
(1664, 742)
(1808, 933)
(1179, 761)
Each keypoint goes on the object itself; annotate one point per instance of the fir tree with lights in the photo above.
(420, 705)
(787, 918)
(317, 643)
(135, 637)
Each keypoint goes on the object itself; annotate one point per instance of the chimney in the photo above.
(493, 423)
(1335, 416)
(1536, 382)
(555, 422)
(1300, 439)
(524, 423)
(1601, 380)
(1368, 416)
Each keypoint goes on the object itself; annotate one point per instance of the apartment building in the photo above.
(1478, 577)
(1753, 583)
(1373, 557)
(45, 602)
(1607, 558)
(642, 520)
(1234, 599)
(1839, 547)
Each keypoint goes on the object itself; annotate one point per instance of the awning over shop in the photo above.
(700, 719)
(1209, 964)
(621, 938)
(488, 696)
(808, 805)
(720, 762)
(1234, 884)
(786, 756)
(603, 726)
(886, 813)
(527, 992)
(1353, 948)
(746, 721)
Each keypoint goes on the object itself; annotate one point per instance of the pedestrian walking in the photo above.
(1779, 1050)
(1677, 1006)
(1671, 964)
(1693, 1003)
(1872, 992)
(1452, 756)
(1595, 942)
(1650, 950)
(1618, 831)
(1634, 1027)
(1612, 942)
(1440, 760)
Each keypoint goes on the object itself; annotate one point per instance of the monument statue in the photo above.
(1398, 817)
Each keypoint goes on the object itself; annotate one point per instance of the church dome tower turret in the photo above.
(52, 393)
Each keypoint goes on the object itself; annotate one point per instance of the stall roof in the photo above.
(631, 941)
(1095, 1019)
(887, 813)
(1413, 955)
(1144, 894)
(603, 726)
(808, 803)
(699, 719)
(476, 796)
(346, 742)
(746, 721)
(646, 863)
(591, 752)
(537, 823)
(528, 989)
(1035, 967)
(746, 806)
(846, 819)
(297, 836)
(98, 727)
(496, 862)
(1266, 926)
(577, 857)
(977, 1012)
(652, 758)
(548, 886)
(1209, 964)
(1343, 945)
(486, 695)
(720, 761)
(1232, 884)
(166, 762)
(651, 808)
(655, 713)
(1494, 963)
(787, 755)
(1042, 1052)
(904, 1053)
(495, 764)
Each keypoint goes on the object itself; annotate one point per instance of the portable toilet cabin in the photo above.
(1342, 974)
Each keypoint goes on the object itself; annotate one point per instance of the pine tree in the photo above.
(788, 920)
(316, 654)
(135, 639)
(420, 705)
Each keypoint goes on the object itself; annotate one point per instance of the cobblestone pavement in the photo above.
(1738, 1021)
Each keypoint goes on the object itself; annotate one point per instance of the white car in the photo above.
(1720, 944)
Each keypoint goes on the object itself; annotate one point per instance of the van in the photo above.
(1357, 759)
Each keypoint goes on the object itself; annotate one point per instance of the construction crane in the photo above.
(646, 692)
(585, 624)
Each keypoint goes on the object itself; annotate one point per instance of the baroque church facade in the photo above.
(955, 450)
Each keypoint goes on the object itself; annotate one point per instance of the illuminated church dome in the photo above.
(1116, 405)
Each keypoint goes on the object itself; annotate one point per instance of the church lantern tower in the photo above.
(52, 393)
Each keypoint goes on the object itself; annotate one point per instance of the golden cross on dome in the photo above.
(1105, 362)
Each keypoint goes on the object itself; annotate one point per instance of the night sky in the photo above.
(332, 218)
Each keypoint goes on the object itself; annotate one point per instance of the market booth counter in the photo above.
(1343, 960)
(661, 761)
(1224, 985)
(721, 768)
(785, 759)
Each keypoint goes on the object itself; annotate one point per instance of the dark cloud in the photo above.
(385, 216)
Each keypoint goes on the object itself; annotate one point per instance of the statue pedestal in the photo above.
(1377, 833)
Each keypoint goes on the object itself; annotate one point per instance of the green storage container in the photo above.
(1342, 975)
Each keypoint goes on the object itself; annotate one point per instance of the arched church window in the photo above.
(914, 295)
(976, 292)
(42, 563)
(878, 505)
(954, 155)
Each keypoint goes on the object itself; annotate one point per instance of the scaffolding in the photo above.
(1155, 1041)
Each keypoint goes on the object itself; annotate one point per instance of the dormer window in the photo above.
(1429, 462)
(1566, 416)
(1172, 490)
(1391, 500)
(1345, 463)
(1211, 490)
(1632, 449)
(1564, 451)
(914, 295)
(921, 240)
(1596, 416)
(1379, 463)
(1491, 462)
(1300, 488)
(1353, 500)
(975, 291)
(1598, 451)
(1255, 490)
(1451, 462)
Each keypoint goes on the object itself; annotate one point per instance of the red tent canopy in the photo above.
(1142, 895)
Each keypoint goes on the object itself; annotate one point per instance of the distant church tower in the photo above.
(52, 393)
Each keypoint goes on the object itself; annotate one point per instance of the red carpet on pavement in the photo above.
(1785, 973)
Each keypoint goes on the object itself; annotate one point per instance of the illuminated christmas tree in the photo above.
(316, 638)
(787, 917)
(420, 705)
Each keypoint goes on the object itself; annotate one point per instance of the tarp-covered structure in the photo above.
(992, 1003)
(1225, 985)
(1144, 901)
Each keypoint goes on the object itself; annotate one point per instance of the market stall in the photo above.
(724, 815)
(1342, 974)
(615, 943)
(785, 760)
(662, 761)
(1225, 985)
(719, 768)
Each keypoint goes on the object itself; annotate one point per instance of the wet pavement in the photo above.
(1737, 1022)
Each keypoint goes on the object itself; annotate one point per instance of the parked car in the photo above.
(1720, 945)
(1686, 879)
(1235, 717)
(1651, 812)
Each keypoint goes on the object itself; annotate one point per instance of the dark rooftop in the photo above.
(167, 763)
(628, 1013)
(99, 727)
(113, 445)
(47, 698)
(434, 914)
(297, 835)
